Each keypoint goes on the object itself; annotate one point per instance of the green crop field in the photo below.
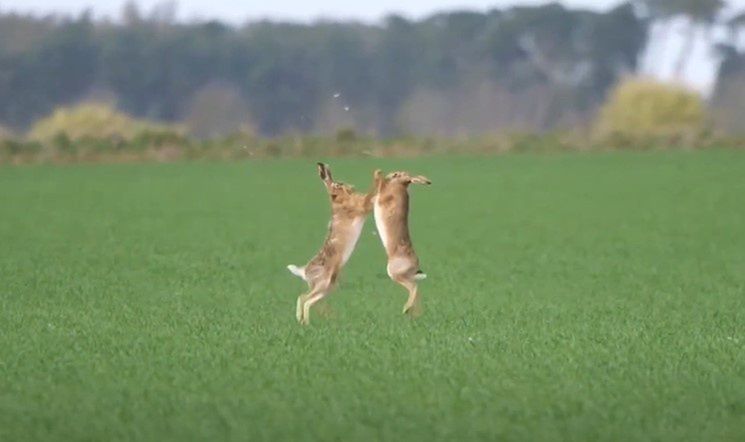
(570, 297)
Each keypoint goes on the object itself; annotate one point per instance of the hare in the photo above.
(391, 208)
(349, 209)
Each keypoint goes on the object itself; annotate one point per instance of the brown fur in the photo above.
(348, 212)
(392, 220)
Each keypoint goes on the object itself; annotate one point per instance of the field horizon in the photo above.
(570, 296)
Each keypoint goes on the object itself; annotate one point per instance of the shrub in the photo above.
(11, 148)
(640, 111)
(157, 138)
(91, 122)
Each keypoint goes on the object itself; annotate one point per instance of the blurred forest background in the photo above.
(531, 70)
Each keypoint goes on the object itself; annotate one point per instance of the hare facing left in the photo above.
(391, 208)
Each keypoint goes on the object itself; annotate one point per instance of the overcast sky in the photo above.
(241, 10)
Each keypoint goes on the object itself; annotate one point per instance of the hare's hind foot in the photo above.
(414, 310)
(299, 308)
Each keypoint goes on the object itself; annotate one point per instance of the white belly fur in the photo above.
(355, 232)
(382, 228)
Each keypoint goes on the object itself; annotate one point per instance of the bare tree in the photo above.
(701, 15)
(736, 25)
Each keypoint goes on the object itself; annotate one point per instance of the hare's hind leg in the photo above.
(404, 271)
(299, 309)
(313, 289)
(317, 294)
(300, 301)
(412, 306)
(302, 310)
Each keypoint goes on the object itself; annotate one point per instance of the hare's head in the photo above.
(339, 192)
(405, 178)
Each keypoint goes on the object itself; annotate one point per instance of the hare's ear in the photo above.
(378, 180)
(378, 177)
(325, 173)
(421, 179)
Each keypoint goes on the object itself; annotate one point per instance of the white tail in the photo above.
(420, 276)
(297, 271)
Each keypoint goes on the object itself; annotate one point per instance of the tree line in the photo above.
(518, 68)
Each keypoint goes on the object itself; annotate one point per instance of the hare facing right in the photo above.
(391, 209)
(349, 209)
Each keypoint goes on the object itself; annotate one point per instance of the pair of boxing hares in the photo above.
(389, 200)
